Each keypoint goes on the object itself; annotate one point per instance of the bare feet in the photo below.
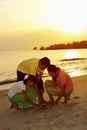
(12, 105)
(15, 105)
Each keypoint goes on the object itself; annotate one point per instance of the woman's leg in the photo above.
(66, 98)
(67, 94)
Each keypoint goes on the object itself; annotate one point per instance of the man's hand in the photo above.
(39, 76)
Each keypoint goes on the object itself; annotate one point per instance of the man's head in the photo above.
(44, 63)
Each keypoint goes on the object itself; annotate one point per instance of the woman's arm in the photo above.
(60, 94)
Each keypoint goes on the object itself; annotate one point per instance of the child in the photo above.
(61, 84)
(23, 94)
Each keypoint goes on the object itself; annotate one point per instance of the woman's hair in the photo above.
(32, 78)
(52, 68)
(45, 61)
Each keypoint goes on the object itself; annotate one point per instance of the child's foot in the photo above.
(12, 105)
(18, 108)
(15, 105)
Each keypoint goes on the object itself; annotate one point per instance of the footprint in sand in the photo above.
(76, 97)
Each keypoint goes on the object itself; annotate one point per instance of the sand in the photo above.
(71, 116)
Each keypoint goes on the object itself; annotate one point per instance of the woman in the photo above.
(61, 84)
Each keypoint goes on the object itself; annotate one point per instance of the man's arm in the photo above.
(38, 93)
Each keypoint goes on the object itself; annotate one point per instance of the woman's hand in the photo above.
(56, 102)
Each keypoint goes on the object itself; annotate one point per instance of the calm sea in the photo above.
(73, 61)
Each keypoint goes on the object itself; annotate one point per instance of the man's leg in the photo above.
(20, 76)
(40, 87)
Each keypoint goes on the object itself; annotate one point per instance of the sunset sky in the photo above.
(25, 24)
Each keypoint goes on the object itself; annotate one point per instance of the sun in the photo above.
(67, 16)
(71, 27)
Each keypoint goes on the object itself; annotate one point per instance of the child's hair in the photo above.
(45, 61)
(32, 78)
(52, 68)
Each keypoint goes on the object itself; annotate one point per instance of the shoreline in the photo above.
(6, 86)
(71, 116)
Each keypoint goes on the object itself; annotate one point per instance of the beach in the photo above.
(71, 116)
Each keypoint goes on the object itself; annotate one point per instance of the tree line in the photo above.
(73, 45)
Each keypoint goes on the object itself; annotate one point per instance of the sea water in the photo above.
(73, 61)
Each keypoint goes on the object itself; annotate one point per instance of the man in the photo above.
(36, 67)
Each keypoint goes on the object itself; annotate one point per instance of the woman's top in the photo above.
(64, 79)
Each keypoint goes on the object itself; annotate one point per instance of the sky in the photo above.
(25, 24)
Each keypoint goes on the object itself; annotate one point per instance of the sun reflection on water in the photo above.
(75, 73)
(71, 54)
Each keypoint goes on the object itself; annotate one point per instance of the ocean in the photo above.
(73, 61)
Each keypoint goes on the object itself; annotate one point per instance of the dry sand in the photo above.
(71, 116)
